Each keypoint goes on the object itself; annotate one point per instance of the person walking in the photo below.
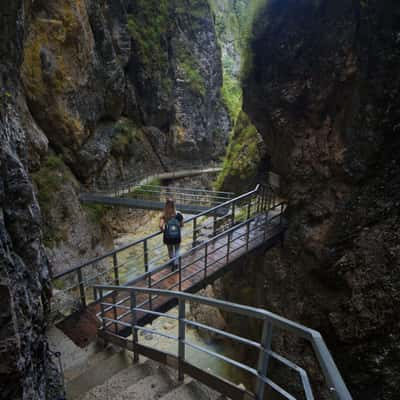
(171, 223)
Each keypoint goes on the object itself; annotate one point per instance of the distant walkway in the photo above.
(144, 193)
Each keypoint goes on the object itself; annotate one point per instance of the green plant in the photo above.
(245, 152)
(124, 139)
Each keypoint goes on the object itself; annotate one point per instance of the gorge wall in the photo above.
(322, 87)
(90, 91)
(26, 370)
(116, 89)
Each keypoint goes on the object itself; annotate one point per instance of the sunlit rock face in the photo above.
(26, 371)
(322, 89)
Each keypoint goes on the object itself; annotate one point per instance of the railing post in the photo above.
(181, 338)
(259, 198)
(150, 296)
(263, 359)
(214, 224)
(228, 246)
(134, 330)
(249, 208)
(247, 235)
(115, 314)
(233, 213)
(194, 231)
(205, 260)
(103, 321)
(145, 256)
(116, 272)
(81, 288)
(180, 273)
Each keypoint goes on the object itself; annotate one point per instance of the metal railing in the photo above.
(270, 323)
(141, 180)
(182, 196)
(144, 257)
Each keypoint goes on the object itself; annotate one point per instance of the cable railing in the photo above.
(115, 314)
(125, 264)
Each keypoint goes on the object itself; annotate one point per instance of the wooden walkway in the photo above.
(198, 267)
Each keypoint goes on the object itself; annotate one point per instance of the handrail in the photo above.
(270, 320)
(152, 235)
(166, 175)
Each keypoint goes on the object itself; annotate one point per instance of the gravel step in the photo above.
(118, 383)
(192, 391)
(152, 387)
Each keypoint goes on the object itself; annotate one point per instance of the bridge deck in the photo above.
(199, 267)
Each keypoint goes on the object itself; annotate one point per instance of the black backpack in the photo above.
(172, 231)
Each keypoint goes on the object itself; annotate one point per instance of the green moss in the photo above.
(149, 24)
(232, 95)
(96, 212)
(49, 180)
(193, 76)
(244, 154)
(124, 139)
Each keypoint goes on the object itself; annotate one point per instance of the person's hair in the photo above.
(169, 209)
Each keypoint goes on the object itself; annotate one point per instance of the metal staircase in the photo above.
(271, 326)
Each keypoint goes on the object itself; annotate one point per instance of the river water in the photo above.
(148, 224)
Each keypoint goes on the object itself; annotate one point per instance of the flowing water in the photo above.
(170, 326)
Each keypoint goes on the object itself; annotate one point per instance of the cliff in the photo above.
(116, 89)
(322, 87)
(26, 370)
(90, 91)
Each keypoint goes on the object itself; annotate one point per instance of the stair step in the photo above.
(97, 375)
(192, 391)
(151, 387)
(117, 384)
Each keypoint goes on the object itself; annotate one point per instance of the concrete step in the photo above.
(118, 383)
(192, 391)
(152, 387)
(97, 374)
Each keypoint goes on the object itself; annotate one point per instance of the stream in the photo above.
(147, 224)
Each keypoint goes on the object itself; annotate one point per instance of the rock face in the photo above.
(116, 89)
(157, 64)
(323, 90)
(26, 371)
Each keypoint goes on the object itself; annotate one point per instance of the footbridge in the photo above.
(115, 296)
(143, 193)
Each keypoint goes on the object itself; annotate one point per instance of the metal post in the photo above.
(205, 261)
(103, 321)
(180, 273)
(115, 314)
(81, 288)
(181, 338)
(259, 197)
(247, 235)
(145, 256)
(249, 208)
(150, 296)
(228, 246)
(134, 330)
(116, 271)
(233, 213)
(263, 359)
(214, 225)
(194, 231)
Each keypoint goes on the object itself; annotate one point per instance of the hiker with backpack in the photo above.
(171, 223)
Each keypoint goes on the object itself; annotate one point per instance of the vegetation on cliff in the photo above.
(245, 154)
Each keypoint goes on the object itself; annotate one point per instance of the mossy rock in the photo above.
(245, 155)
